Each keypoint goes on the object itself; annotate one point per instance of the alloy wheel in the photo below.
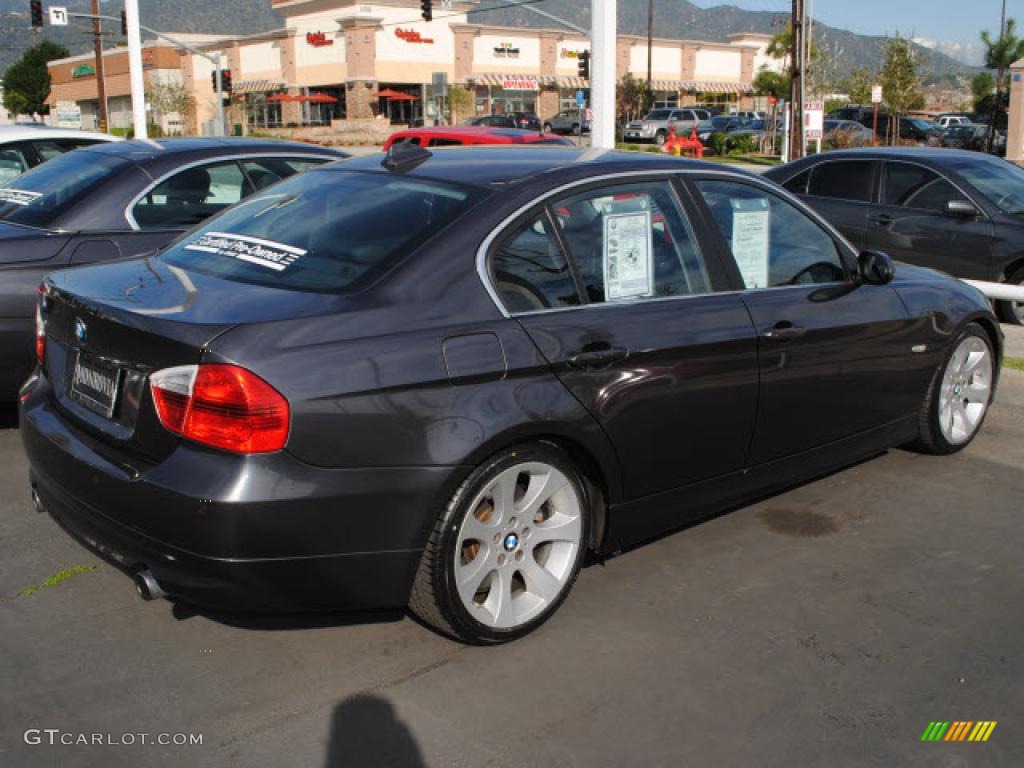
(518, 544)
(965, 390)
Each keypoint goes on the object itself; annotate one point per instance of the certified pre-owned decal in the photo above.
(266, 253)
(18, 196)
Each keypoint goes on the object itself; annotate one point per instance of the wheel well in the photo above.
(990, 330)
(1013, 268)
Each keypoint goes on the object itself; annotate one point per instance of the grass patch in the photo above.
(56, 579)
(1013, 362)
(745, 159)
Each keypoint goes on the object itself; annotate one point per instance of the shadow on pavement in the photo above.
(273, 622)
(366, 732)
(8, 416)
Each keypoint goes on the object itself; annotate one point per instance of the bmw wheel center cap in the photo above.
(511, 542)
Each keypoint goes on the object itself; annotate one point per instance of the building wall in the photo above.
(257, 59)
(665, 61)
(1015, 128)
(717, 64)
(487, 59)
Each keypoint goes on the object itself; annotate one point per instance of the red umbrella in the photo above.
(320, 98)
(394, 95)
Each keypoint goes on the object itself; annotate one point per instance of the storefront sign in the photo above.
(318, 39)
(507, 51)
(68, 115)
(412, 36)
(568, 53)
(519, 83)
(83, 70)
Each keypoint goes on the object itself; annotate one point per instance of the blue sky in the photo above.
(958, 21)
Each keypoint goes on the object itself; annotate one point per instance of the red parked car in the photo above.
(458, 135)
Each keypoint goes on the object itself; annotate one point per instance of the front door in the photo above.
(911, 223)
(835, 355)
(635, 326)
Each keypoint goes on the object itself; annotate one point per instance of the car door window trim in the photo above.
(238, 158)
(937, 172)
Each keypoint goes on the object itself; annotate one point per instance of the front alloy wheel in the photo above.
(507, 550)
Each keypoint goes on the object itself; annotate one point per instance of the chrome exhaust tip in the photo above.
(147, 587)
(37, 502)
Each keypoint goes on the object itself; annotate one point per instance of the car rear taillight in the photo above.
(41, 324)
(224, 406)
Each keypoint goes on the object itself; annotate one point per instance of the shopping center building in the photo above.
(338, 59)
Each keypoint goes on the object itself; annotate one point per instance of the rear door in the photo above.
(842, 191)
(836, 356)
(911, 223)
(637, 326)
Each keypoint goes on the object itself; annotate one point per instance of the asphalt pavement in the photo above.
(827, 626)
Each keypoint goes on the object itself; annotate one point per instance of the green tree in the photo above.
(858, 85)
(983, 87)
(1000, 53)
(633, 99)
(27, 81)
(901, 86)
(768, 83)
(460, 102)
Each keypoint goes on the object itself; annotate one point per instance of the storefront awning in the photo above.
(543, 81)
(700, 86)
(257, 86)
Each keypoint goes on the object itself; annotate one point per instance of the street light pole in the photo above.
(602, 73)
(131, 10)
(650, 39)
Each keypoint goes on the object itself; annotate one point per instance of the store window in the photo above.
(262, 113)
(666, 99)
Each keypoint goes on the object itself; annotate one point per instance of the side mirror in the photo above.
(875, 268)
(962, 208)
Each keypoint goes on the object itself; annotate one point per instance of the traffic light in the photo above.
(583, 67)
(225, 80)
(124, 23)
(36, 9)
(427, 9)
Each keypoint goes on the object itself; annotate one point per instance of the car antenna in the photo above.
(403, 156)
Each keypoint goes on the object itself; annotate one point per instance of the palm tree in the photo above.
(999, 55)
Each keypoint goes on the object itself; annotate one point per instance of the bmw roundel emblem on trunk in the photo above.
(80, 330)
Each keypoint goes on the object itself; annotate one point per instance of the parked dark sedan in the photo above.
(112, 201)
(301, 405)
(959, 212)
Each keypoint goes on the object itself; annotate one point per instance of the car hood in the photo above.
(26, 244)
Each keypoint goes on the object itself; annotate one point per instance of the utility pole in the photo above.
(796, 92)
(650, 39)
(101, 85)
(138, 85)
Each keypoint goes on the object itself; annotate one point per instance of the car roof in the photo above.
(28, 131)
(935, 154)
(145, 150)
(507, 164)
(467, 131)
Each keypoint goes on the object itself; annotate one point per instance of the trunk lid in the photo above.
(110, 326)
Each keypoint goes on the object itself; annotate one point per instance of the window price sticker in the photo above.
(628, 267)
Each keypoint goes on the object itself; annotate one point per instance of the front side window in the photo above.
(842, 179)
(773, 243)
(631, 241)
(191, 196)
(914, 186)
(327, 231)
(530, 271)
(999, 181)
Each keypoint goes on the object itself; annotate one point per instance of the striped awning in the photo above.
(701, 86)
(543, 81)
(257, 86)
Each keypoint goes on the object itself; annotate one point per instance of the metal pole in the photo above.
(220, 99)
(796, 90)
(650, 39)
(602, 73)
(138, 86)
(101, 85)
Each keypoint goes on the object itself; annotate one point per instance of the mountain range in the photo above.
(842, 50)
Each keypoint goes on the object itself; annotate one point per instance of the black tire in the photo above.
(660, 138)
(1005, 309)
(547, 127)
(435, 599)
(576, 130)
(930, 438)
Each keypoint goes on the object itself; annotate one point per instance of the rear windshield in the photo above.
(38, 197)
(323, 231)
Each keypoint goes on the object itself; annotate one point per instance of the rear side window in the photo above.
(798, 184)
(13, 163)
(530, 271)
(445, 143)
(328, 231)
(264, 171)
(913, 186)
(844, 180)
(192, 196)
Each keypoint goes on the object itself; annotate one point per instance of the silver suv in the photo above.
(655, 126)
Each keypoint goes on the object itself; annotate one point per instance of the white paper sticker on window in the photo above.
(18, 196)
(266, 253)
(751, 230)
(628, 268)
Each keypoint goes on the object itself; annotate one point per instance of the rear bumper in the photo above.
(265, 533)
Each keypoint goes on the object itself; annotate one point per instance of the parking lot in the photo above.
(823, 627)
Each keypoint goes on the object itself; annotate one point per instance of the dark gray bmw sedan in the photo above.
(440, 379)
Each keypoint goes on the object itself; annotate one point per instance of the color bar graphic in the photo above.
(958, 730)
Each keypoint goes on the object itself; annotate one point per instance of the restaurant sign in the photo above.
(519, 83)
(412, 36)
(318, 39)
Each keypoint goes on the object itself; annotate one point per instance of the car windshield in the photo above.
(324, 232)
(658, 114)
(1000, 181)
(721, 122)
(922, 125)
(38, 197)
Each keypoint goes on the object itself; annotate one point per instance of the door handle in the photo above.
(784, 332)
(882, 219)
(601, 357)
